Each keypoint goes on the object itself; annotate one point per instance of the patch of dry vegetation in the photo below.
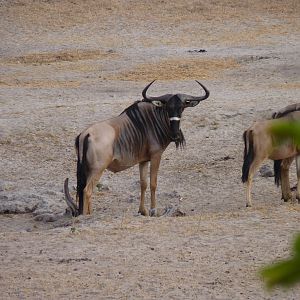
(288, 85)
(68, 13)
(178, 69)
(252, 35)
(45, 64)
(260, 19)
(43, 83)
(60, 56)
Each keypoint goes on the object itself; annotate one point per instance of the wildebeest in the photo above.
(261, 144)
(139, 135)
(286, 110)
(281, 167)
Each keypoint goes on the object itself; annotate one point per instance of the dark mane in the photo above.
(132, 106)
(144, 120)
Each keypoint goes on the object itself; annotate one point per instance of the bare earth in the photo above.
(66, 64)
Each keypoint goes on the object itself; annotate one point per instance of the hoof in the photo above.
(153, 212)
(248, 205)
(143, 212)
(289, 199)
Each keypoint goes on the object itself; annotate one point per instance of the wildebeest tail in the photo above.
(248, 154)
(82, 170)
(277, 171)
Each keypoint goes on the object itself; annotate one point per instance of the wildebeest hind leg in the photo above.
(253, 168)
(298, 177)
(248, 191)
(87, 194)
(285, 181)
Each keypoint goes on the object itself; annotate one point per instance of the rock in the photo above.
(20, 202)
(102, 187)
(3, 198)
(47, 217)
(5, 185)
(131, 199)
(266, 171)
(40, 211)
(171, 211)
(197, 51)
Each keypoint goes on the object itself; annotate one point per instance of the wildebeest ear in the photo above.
(157, 103)
(190, 103)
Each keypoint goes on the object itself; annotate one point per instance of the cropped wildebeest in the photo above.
(261, 144)
(282, 166)
(286, 110)
(139, 135)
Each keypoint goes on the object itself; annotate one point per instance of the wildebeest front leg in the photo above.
(155, 161)
(298, 177)
(285, 181)
(143, 182)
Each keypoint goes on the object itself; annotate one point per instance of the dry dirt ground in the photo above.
(66, 64)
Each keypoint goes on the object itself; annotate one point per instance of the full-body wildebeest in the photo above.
(260, 144)
(282, 166)
(139, 135)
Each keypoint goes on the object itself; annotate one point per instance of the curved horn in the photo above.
(162, 98)
(185, 97)
(202, 97)
(145, 91)
(69, 199)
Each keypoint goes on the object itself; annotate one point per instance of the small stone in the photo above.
(266, 171)
(171, 211)
(46, 218)
(3, 198)
(131, 199)
(197, 51)
(102, 187)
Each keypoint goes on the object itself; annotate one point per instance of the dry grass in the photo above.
(60, 56)
(178, 69)
(43, 83)
(66, 13)
(189, 23)
(45, 64)
(252, 35)
(288, 85)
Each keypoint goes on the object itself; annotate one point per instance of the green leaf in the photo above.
(285, 273)
(297, 246)
(287, 130)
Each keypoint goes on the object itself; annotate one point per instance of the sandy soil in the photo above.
(66, 64)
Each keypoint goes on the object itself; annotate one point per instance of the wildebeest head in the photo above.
(174, 104)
